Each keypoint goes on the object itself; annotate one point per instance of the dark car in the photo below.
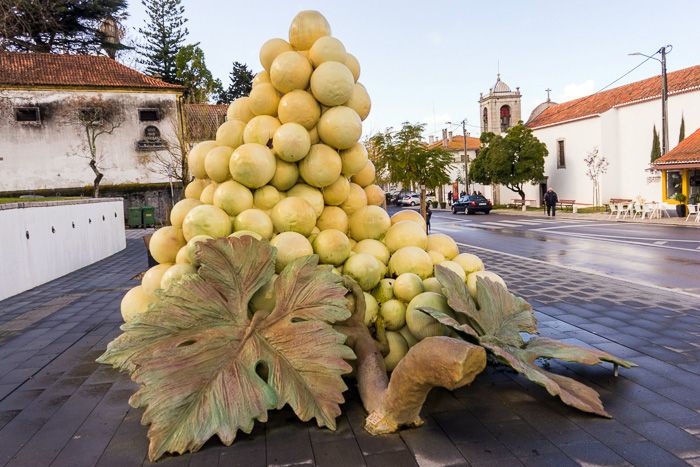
(470, 204)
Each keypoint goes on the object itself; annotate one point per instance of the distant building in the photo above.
(41, 138)
(620, 123)
(455, 145)
(202, 120)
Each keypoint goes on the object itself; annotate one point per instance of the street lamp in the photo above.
(466, 155)
(664, 94)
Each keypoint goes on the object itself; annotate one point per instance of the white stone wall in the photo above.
(624, 135)
(40, 242)
(45, 156)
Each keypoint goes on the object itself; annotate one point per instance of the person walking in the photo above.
(550, 200)
(428, 215)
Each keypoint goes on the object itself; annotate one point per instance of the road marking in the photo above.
(573, 268)
(626, 240)
(503, 224)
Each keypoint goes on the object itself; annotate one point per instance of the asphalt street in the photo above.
(666, 256)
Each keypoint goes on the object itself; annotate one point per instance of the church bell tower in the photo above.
(500, 108)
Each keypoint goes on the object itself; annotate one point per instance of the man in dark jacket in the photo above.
(550, 200)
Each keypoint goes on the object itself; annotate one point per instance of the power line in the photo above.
(581, 101)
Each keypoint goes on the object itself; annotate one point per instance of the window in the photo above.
(486, 119)
(674, 183)
(27, 115)
(561, 157)
(149, 115)
(505, 118)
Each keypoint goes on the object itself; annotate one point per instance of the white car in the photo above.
(413, 199)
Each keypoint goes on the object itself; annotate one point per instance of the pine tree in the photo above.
(164, 33)
(241, 84)
(59, 26)
(655, 146)
(681, 135)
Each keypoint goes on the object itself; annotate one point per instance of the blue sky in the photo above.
(428, 61)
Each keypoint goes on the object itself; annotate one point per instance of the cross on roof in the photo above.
(548, 90)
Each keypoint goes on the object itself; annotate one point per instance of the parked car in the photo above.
(470, 204)
(413, 199)
(398, 196)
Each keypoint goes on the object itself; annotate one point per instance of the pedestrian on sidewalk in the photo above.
(550, 200)
(428, 214)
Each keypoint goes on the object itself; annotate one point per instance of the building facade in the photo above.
(680, 169)
(457, 170)
(44, 145)
(620, 124)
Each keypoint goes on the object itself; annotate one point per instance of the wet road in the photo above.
(654, 255)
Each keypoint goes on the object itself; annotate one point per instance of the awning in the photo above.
(689, 165)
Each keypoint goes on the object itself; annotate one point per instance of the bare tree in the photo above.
(597, 165)
(96, 116)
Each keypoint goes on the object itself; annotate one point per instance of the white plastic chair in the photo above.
(615, 209)
(692, 209)
(650, 210)
(629, 210)
(636, 210)
(663, 209)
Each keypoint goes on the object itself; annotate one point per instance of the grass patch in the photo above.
(35, 199)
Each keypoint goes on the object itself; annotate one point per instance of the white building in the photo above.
(620, 124)
(42, 144)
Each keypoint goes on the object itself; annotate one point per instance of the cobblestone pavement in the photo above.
(60, 408)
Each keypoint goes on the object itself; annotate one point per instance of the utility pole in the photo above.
(664, 95)
(466, 155)
(664, 103)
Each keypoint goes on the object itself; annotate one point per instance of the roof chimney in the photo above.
(431, 139)
(444, 137)
(450, 136)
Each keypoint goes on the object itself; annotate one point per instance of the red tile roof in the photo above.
(202, 120)
(457, 143)
(54, 70)
(592, 106)
(687, 151)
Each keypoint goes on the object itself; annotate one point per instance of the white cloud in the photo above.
(574, 91)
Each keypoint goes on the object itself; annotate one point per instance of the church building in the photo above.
(620, 123)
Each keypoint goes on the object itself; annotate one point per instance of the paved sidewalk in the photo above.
(60, 408)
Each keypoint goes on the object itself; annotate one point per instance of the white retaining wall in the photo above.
(42, 241)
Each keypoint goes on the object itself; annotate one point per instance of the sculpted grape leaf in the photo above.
(206, 367)
(571, 392)
(497, 323)
(499, 313)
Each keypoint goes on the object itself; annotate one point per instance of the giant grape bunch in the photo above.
(287, 167)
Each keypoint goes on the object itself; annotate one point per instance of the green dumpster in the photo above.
(134, 217)
(149, 217)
